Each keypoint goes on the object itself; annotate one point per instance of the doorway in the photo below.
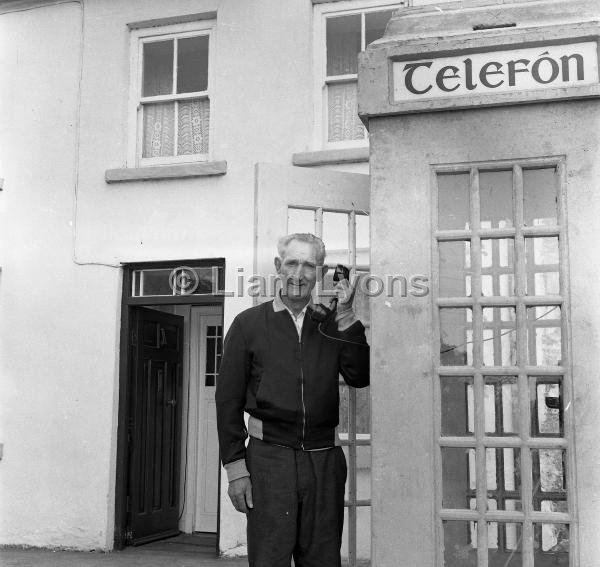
(168, 470)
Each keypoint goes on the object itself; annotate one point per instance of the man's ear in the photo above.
(277, 262)
(322, 270)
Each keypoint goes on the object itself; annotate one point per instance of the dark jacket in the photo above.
(291, 385)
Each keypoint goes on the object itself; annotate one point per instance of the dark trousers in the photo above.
(298, 506)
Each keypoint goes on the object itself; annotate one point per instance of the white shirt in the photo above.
(279, 305)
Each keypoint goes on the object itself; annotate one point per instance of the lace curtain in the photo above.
(193, 118)
(342, 113)
(158, 130)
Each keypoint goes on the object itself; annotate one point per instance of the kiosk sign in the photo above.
(518, 70)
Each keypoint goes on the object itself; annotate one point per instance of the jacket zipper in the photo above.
(302, 394)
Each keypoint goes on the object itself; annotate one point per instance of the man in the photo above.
(282, 367)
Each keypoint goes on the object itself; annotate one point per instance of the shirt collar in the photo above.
(279, 305)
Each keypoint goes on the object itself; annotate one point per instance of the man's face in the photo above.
(298, 270)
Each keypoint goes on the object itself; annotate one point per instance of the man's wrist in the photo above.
(236, 469)
(345, 319)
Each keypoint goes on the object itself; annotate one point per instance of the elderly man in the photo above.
(282, 367)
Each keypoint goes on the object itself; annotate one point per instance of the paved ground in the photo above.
(127, 558)
(181, 551)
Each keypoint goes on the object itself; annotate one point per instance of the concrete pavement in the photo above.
(130, 557)
(184, 550)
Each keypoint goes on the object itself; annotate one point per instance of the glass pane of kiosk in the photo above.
(455, 268)
(453, 201)
(540, 197)
(496, 199)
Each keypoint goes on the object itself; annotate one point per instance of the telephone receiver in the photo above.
(320, 312)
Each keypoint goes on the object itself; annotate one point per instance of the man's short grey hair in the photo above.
(284, 242)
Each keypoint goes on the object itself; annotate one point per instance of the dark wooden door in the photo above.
(155, 425)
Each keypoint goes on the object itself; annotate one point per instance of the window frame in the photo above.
(137, 39)
(528, 518)
(321, 13)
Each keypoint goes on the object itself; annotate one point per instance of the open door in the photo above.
(155, 426)
(207, 341)
(334, 205)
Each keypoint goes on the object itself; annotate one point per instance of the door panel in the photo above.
(207, 336)
(155, 425)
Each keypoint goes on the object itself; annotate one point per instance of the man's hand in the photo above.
(345, 294)
(240, 492)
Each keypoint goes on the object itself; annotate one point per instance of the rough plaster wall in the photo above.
(402, 150)
(58, 350)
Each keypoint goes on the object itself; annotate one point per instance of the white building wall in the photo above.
(59, 320)
(61, 312)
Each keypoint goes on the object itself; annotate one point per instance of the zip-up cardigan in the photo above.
(287, 382)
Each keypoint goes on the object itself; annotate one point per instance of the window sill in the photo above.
(331, 157)
(176, 171)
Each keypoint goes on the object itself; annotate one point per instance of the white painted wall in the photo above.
(60, 131)
(59, 321)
